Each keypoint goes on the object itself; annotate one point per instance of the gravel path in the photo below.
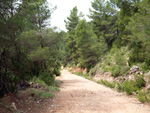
(79, 95)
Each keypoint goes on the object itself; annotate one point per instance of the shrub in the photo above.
(47, 77)
(119, 87)
(53, 88)
(128, 87)
(47, 95)
(106, 83)
(119, 59)
(144, 66)
(57, 72)
(124, 70)
(41, 82)
(140, 82)
(142, 97)
(41, 94)
(115, 71)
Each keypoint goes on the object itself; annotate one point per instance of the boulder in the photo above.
(134, 69)
(14, 106)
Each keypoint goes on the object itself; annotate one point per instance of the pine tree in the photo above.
(104, 18)
(71, 24)
(87, 44)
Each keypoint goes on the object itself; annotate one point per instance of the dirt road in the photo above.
(79, 95)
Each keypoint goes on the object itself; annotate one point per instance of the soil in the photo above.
(77, 95)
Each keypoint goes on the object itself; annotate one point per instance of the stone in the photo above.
(14, 106)
(141, 73)
(138, 72)
(37, 85)
(148, 87)
(134, 69)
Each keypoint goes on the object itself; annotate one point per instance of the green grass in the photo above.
(108, 84)
(119, 87)
(41, 82)
(128, 87)
(53, 88)
(84, 75)
(142, 96)
(40, 94)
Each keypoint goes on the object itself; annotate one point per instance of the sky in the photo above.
(63, 10)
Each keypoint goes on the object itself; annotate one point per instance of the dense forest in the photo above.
(30, 47)
(115, 24)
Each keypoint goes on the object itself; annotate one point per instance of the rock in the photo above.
(131, 77)
(31, 83)
(138, 72)
(141, 73)
(14, 106)
(148, 87)
(37, 85)
(134, 69)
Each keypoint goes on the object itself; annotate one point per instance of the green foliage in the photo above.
(71, 24)
(88, 52)
(139, 38)
(116, 71)
(41, 94)
(128, 87)
(139, 82)
(47, 77)
(142, 97)
(108, 84)
(119, 59)
(104, 20)
(27, 45)
(144, 67)
(119, 87)
(37, 80)
(73, 19)
(84, 75)
(53, 88)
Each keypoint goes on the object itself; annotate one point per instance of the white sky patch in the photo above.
(63, 11)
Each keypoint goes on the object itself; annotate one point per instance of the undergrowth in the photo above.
(84, 75)
(108, 84)
(40, 94)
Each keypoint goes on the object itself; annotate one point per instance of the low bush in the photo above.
(108, 84)
(128, 87)
(53, 88)
(142, 96)
(47, 77)
(40, 94)
(119, 87)
(139, 82)
(37, 80)
(57, 72)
